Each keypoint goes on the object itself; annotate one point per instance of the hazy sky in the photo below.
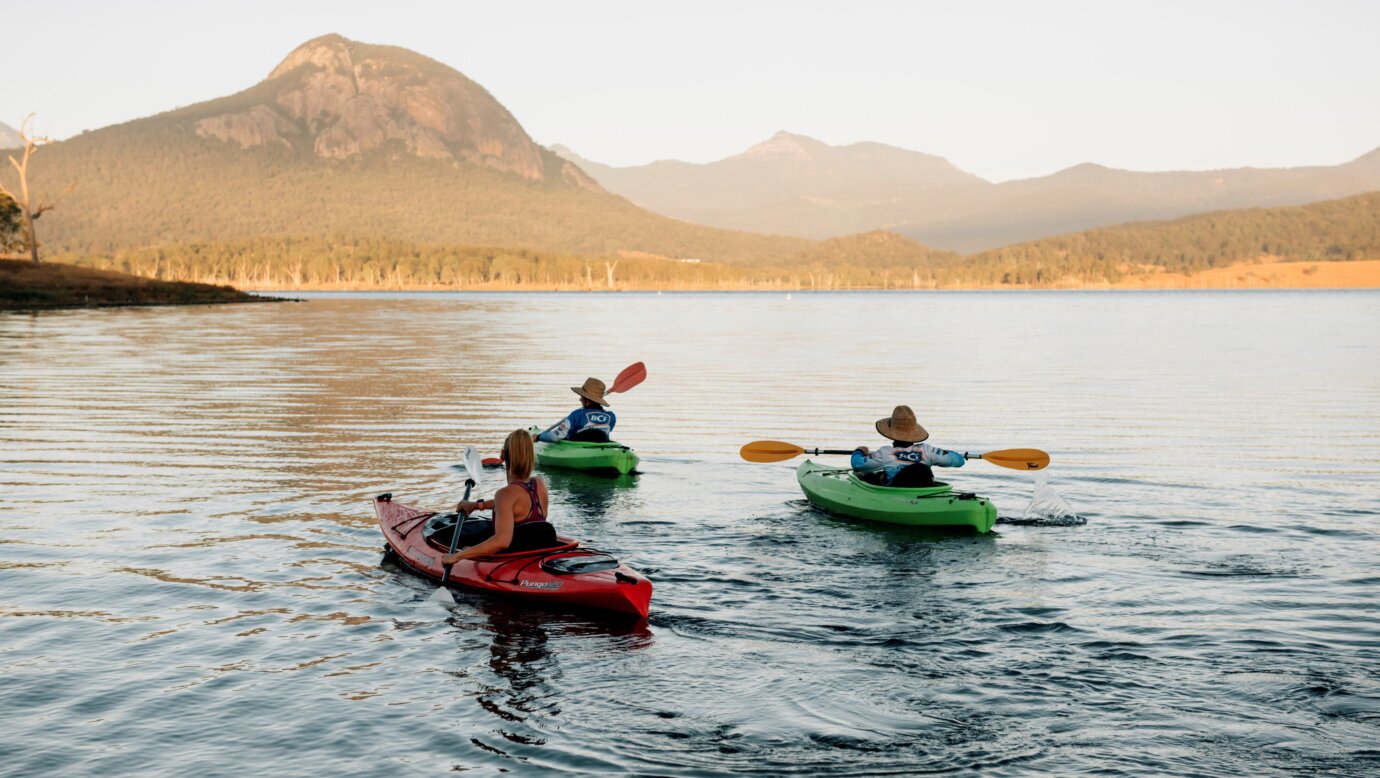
(1003, 89)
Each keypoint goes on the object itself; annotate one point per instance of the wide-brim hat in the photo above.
(902, 426)
(593, 390)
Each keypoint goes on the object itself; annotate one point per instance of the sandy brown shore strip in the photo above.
(26, 286)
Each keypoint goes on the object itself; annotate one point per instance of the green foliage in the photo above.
(156, 182)
(11, 220)
(1337, 230)
(1346, 229)
(354, 262)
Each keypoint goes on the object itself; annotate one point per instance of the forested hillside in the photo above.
(1336, 230)
(350, 138)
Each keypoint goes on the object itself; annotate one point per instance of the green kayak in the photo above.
(839, 491)
(611, 458)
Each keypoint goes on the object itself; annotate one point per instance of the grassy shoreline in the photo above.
(26, 286)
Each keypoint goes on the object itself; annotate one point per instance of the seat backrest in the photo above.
(533, 535)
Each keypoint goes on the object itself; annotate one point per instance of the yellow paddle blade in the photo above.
(770, 451)
(1019, 458)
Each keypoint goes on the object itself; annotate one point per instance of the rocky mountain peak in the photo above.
(338, 98)
(783, 145)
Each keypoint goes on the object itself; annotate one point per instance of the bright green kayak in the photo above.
(839, 491)
(612, 458)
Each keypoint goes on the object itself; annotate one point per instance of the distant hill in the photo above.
(1336, 230)
(795, 185)
(351, 138)
(9, 137)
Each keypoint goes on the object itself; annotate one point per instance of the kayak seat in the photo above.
(526, 537)
(441, 527)
(534, 535)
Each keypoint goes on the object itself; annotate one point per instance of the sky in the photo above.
(1002, 89)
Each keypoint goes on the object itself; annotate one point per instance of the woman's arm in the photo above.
(503, 531)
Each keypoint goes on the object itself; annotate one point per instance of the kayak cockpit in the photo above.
(439, 530)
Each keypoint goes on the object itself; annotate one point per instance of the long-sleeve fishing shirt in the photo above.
(893, 459)
(579, 420)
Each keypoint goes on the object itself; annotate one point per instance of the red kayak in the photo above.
(563, 575)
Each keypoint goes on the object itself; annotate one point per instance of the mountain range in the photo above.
(348, 138)
(795, 185)
(365, 148)
(9, 137)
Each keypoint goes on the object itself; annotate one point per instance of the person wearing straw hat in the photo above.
(591, 422)
(907, 461)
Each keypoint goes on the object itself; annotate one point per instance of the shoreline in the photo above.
(26, 286)
(1277, 276)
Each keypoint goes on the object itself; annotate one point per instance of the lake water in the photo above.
(191, 574)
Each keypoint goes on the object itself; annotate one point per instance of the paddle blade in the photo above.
(442, 596)
(770, 451)
(1019, 458)
(631, 376)
(472, 463)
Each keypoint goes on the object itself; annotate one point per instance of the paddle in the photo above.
(631, 376)
(471, 463)
(776, 451)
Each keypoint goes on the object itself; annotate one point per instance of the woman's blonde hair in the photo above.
(518, 454)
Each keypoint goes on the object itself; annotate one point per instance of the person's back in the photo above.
(592, 422)
(907, 461)
(520, 519)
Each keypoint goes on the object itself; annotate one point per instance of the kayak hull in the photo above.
(610, 458)
(840, 491)
(518, 575)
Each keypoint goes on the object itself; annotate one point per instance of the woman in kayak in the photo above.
(519, 508)
(592, 422)
(907, 461)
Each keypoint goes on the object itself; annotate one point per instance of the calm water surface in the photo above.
(192, 583)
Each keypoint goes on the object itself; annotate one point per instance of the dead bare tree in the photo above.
(610, 268)
(29, 211)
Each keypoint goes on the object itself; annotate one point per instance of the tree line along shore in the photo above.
(1261, 247)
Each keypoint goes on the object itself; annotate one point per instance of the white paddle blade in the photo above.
(442, 596)
(473, 464)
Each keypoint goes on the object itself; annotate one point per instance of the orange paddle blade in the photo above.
(1019, 458)
(770, 451)
(631, 376)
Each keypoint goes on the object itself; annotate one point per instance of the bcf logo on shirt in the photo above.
(597, 418)
(910, 456)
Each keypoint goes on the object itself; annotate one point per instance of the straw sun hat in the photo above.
(902, 426)
(593, 390)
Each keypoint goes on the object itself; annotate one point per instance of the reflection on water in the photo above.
(190, 562)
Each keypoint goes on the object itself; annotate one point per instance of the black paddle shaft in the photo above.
(455, 537)
(819, 451)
